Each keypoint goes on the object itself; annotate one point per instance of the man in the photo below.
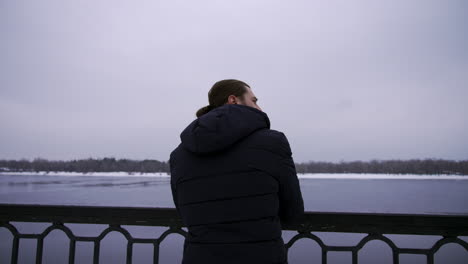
(234, 182)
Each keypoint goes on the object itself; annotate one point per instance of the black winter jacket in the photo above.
(234, 185)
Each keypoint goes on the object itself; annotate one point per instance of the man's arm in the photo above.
(173, 184)
(290, 195)
(275, 158)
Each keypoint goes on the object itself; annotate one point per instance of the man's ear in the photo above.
(234, 101)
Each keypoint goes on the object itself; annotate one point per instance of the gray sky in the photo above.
(344, 80)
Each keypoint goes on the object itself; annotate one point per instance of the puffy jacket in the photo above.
(234, 185)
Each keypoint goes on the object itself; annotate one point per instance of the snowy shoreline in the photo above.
(300, 175)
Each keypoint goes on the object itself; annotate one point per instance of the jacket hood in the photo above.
(222, 127)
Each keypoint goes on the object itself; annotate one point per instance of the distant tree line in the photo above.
(85, 165)
(413, 166)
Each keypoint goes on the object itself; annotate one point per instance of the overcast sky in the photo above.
(344, 80)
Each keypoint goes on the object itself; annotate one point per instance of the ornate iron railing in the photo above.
(375, 225)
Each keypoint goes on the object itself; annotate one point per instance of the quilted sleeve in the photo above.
(173, 183)
(274, 156)
(290, 196)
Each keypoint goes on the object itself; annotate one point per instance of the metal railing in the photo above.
(375, 225)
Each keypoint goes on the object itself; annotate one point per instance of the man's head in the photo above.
(229, 91)
(248, 98)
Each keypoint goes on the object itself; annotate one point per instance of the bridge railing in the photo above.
(375, 225)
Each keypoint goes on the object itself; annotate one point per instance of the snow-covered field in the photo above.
(300, 175)
(67, 173)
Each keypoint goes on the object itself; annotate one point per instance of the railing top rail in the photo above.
(361, 222)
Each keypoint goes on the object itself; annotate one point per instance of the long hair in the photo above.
(219, 93)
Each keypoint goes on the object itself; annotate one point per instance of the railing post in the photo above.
(71, 256)
(396, 256)
(96, 252)
(14, 255)
(39, 247)
(355, 257)
(324, 256)
(129, 252)
(156, 253)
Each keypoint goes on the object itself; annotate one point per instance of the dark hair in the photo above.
(219, 93)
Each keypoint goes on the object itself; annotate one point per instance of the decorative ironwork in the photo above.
(450, 227)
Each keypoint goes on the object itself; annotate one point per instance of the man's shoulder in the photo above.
(174, 152)
(271, 140)
(270, 134)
